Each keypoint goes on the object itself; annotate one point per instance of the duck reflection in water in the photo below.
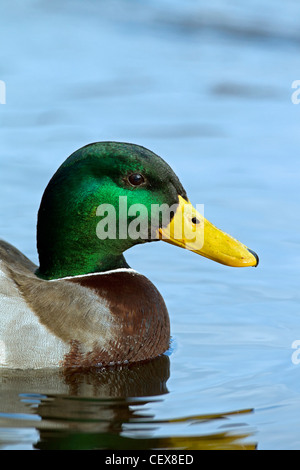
(107, 409)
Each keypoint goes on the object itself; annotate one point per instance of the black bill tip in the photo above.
(255, 256)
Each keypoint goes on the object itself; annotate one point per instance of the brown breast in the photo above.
(142, 327)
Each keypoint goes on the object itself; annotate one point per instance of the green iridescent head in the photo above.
(71, 217)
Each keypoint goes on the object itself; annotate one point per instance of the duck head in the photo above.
(109, 196)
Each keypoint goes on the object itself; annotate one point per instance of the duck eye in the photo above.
(136, 179)
(195, 220)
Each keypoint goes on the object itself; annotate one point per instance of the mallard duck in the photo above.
(83, 306)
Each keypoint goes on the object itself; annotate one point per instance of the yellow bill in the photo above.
(190, 230)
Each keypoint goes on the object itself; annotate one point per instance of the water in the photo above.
(207, 87)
